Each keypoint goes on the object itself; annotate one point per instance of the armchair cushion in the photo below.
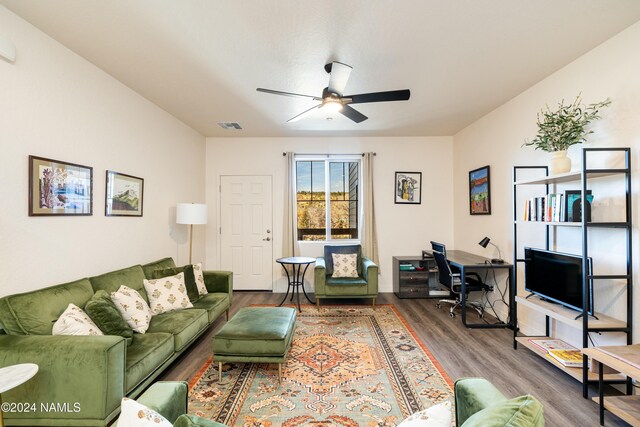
(344, 265)
(350, 249)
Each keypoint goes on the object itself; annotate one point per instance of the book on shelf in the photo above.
(546, 344)
(568, 358)
(407, 267)
(548, 208)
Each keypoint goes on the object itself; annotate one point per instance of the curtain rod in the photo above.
(325, 154)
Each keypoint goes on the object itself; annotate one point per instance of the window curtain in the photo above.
(289, 226)
(369, 237)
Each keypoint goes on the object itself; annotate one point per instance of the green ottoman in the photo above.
(256, 335)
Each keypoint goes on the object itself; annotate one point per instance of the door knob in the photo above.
(267, 239)
(268, 231)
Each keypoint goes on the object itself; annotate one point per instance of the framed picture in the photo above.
(59, 188)
(124, 195)
(408, 188)
(573, 205)
(480, 191)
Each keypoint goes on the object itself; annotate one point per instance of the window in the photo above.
(327, 194)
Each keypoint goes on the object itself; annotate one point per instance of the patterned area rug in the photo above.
(348, 366)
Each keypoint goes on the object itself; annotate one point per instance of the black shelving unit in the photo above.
(586, 323)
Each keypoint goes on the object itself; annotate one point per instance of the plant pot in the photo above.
(560, 163)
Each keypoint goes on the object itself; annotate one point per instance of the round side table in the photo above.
(13, 376)
(295, 279)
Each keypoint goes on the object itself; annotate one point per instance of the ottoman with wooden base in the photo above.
(256, 335)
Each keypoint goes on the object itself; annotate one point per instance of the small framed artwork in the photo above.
(59, 188)
(480, 191)
(573, 205)
(408, 188)
(124, 195)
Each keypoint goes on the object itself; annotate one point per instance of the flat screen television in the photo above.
(556, 277)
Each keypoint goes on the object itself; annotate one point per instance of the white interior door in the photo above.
(246, 231)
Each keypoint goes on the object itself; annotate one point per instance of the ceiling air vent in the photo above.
(230, 125)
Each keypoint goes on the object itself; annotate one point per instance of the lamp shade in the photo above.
(484, 242)
(191, 213)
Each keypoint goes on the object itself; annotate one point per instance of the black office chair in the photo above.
(451, 280)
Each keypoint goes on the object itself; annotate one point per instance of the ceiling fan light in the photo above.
(332, 105)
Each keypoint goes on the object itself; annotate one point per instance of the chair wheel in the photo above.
(438, 305)
(452, 315)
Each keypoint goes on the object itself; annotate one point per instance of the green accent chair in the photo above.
(480, 404)
(363, 286)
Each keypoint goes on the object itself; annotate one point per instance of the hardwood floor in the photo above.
(462, 352)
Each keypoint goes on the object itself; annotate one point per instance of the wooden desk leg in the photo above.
(601, 391)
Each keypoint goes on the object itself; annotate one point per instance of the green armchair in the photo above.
(480, 404)
(363, 286)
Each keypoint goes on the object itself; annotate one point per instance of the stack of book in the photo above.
(407, 267)
(549, 208)
(558, 350)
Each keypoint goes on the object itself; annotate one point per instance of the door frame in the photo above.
(219, 222)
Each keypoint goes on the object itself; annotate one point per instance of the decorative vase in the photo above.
(560, 163)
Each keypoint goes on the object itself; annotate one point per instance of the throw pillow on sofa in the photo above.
(134, 414)
(345, 265)
(167, 294)
(199, 275)
(106, 316)
(189, 279)
(133, 308)
(435, 416)
(74, 321)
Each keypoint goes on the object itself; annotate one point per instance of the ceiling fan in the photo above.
(333, 100)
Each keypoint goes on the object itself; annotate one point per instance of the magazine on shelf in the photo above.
(546, 344)
(569, 358)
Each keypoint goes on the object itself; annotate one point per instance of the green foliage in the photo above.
(560, 129)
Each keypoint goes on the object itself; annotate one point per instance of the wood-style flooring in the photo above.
(462, 352)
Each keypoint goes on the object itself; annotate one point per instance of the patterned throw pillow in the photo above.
(74, 321)
(435, 416)
(167, 294)
(345, 265)
(134, 309)
(134, 414)
(197, 271)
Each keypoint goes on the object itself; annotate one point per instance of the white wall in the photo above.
(610, 70)
(402, 229)
(57, 105)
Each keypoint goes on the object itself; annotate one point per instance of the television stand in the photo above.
(591, 315)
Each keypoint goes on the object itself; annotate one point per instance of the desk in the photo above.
(12, 376)
(465, 260)
(295, 280)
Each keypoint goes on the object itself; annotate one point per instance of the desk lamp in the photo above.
(487, 241)
(190, 214)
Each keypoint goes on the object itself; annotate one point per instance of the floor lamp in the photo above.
(191, 214)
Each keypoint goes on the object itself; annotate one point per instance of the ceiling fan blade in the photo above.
(303, 114)
(339, 77)
(392, 95)
(277, 92)
(353, 114)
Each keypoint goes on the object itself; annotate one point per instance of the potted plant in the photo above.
(560, 129)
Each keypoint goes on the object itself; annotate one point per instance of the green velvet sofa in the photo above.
(96, 371)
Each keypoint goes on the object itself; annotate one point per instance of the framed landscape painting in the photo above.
(480, 191)
(408, 188)
(59, 188)
(123, 195)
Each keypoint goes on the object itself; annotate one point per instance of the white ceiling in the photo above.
(202, 60)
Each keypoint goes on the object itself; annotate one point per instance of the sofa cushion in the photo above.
(184, 325)
(189, 278)
(344, 265)
(521, 411)
(198, 273)
(167, 294)
(74, 321)
(33, 313)
(145, 354)
(434, 416)
(134, 414)
(130, 277)
(106, 316)
(187, 420)
(161, 264)
(349, 249)
(215, 303)
(133, 308)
